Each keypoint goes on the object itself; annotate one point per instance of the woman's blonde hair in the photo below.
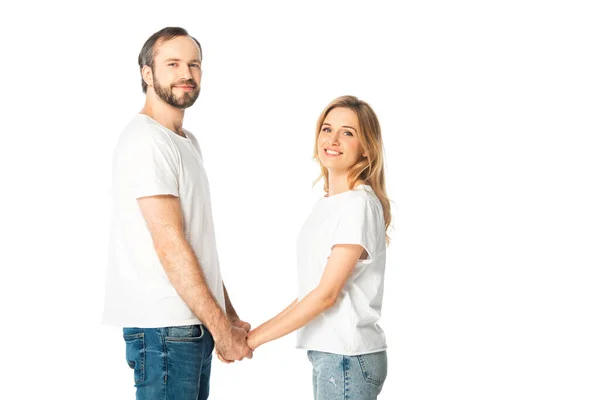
(369, 169)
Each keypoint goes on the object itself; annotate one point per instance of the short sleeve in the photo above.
(359, 223)
(149, 164)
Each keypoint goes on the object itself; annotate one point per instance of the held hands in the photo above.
(234, 346)
(241, 324)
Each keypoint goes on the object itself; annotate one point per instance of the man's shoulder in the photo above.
(190, 135)
(142, 125)
(141, 131)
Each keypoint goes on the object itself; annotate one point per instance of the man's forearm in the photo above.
(231, 314)
(184, 272)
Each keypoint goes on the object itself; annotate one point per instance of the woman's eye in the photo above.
(348, 133)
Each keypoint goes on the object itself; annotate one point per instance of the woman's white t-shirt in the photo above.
(350, 326)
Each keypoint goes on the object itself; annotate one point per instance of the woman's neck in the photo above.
(338, 183)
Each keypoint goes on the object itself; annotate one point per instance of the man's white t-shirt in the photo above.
(350, 326)
(149, 160)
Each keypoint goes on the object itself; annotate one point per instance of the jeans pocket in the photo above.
(374, 367)
(187, 333)
(135, 353)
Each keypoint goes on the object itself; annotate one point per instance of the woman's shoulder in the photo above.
(363, 197)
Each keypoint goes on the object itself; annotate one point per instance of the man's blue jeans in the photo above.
(338, 377)
(170, 363)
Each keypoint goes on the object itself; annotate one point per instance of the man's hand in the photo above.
(233, 346)
(241, 324)
(222, 359)
(237, 323)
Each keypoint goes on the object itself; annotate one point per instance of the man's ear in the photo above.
(147, 75)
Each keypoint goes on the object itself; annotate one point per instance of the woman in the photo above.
(341, 260)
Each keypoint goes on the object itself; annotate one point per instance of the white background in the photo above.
(490, 116)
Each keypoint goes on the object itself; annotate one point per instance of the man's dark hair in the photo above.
(147, 54)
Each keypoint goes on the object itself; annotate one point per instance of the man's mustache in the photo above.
(189, 82)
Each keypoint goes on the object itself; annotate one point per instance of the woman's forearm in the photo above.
(278, 317)
(295, 316)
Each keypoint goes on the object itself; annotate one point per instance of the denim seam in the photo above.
(172, 339)
(346, 368)
(365, 374)
(186, 338)
(143, 358)
(165, 359)
(142, 366)
(133, 336)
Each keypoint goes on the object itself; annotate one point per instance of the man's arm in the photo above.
(232, 315)
(165, 221)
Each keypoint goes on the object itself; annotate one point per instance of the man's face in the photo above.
(177, 71)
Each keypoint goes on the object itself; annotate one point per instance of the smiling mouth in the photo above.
(332, 152)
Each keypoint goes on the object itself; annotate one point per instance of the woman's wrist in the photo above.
(253, 339)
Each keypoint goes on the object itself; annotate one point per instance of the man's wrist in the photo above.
(222, 329)
(233, 317)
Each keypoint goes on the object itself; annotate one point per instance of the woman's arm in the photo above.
(339, 267)
(278, 317)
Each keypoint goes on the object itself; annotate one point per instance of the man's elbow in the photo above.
(167, 246)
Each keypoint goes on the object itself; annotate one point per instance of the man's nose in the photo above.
(185, 73)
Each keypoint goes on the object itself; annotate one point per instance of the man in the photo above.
(164, 283)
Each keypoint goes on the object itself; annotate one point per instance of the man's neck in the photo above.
(165, 114)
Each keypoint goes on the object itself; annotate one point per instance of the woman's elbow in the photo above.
(328, 300)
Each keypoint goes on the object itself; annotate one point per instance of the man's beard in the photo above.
(184, 101)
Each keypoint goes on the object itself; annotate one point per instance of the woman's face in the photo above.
(338, 145)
